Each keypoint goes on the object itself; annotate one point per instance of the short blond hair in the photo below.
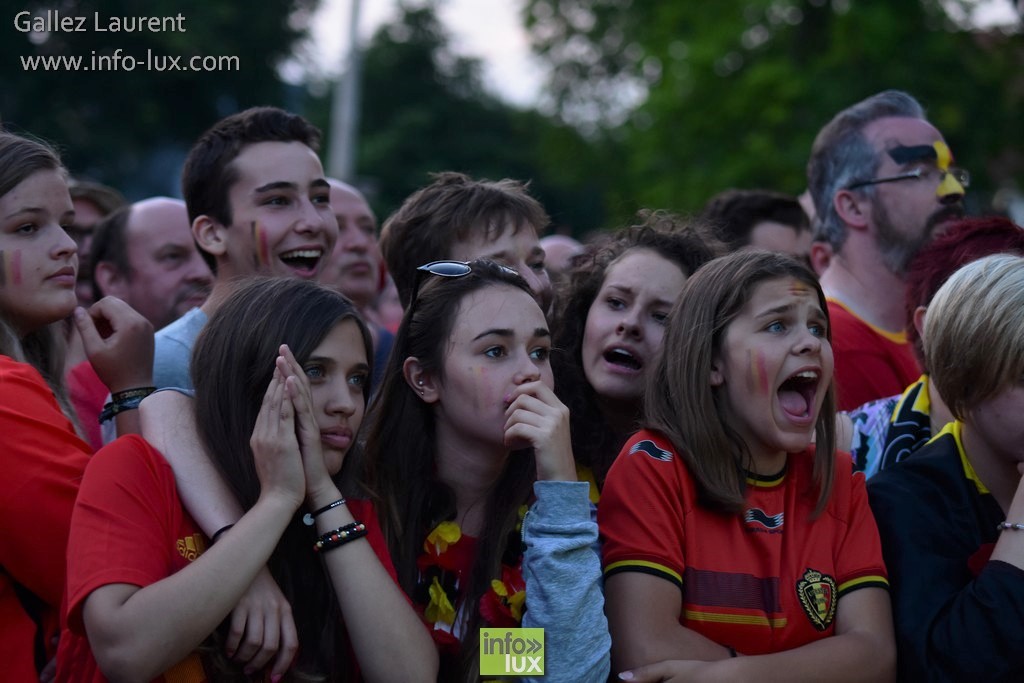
(974, 332)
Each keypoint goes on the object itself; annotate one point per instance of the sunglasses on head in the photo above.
(446, 269)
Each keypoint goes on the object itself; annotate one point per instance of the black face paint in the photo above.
(905, 155)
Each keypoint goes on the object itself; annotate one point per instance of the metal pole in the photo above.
(341, 158)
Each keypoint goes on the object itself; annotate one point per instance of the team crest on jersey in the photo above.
(650, 448)
(758, 516)
(817, 593)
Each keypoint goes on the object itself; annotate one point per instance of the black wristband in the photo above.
(309, 519)
(218, 532)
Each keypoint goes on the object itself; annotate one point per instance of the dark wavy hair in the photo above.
(686, 243)
(401, 453)
(680, 401)
(232, 364)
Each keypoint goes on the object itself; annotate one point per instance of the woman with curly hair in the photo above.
(609, 321)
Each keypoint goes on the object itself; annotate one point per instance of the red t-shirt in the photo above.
(767, 581)
(129, 526)
(870, 363)
(42, 460)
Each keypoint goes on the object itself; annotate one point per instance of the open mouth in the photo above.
(304, 260)
(623, 358)
(797, 393)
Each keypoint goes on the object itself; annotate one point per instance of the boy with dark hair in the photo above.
(459, 218)
(760, 219)
(258, 202)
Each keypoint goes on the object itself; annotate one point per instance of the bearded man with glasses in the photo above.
(883, 185)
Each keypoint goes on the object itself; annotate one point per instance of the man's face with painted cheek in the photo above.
(931, 161)
(914, 192)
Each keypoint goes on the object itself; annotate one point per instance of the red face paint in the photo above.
(759, 371)
(259, 240)
(16, 267)
(798, 288)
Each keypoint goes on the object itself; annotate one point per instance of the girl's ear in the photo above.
(717, 378)
(421, 381)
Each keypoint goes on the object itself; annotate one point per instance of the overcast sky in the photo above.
(488, 29)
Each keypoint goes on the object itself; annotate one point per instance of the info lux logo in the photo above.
(511, 651)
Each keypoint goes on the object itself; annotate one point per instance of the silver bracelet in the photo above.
(1009, 526)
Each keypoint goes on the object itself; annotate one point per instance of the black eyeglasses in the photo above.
(961, 175)
(446, 269)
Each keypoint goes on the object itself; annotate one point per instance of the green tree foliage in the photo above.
(425, 110)
(737, 89)
(111, 124)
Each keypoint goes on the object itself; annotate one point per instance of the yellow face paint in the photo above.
(943, 159)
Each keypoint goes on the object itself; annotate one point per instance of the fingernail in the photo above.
(626, 676)
(508, 398)
(79, 312)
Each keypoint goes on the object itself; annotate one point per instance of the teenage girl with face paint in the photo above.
(42, 456)
(737, 547)
(467, 432)
(278, 409)
(608, 328)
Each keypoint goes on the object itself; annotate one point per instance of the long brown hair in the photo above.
(232, 363)
(44, 349)
(401, 452)
(680, 401)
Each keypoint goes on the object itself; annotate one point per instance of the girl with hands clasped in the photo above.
(42, 455)
(280, 372)
(465, 426)
(737, 545)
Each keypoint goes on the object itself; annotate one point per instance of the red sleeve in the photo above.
(858, 556)
(125, 522)
(42, 460)
(642, 510)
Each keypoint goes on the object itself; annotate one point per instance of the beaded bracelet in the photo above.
(309, 518)
(339, 537)
(1009, 526)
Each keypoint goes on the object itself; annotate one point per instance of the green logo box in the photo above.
(511, 652)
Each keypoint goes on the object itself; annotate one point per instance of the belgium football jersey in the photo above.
(767, 580)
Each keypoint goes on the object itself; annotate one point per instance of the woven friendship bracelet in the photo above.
(129, 399)
(140, 392)
(339, 537)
